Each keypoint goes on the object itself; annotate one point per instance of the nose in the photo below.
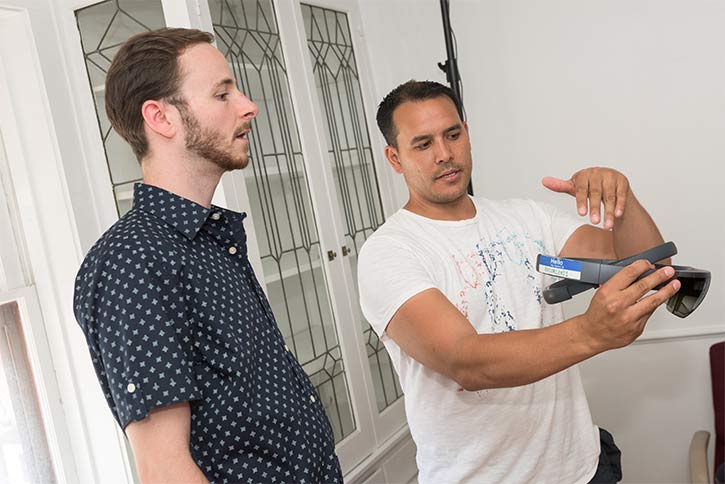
(443, 151)
(248, 109)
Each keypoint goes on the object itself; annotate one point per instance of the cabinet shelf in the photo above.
(291, 272)
(274, 172)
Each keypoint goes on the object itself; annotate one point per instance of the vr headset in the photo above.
(580, 274)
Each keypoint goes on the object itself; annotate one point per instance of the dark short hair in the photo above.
(145, 67)
(409, 91)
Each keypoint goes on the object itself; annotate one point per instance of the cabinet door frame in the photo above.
(372, 427)
(357, 446)
(391, 420)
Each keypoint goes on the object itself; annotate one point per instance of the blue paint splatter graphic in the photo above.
(494, 255)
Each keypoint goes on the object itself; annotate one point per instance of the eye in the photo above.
(454, 135)
(223, 96)
(422, 146)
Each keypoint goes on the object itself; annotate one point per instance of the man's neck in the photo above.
(461, 209)
(189, 179)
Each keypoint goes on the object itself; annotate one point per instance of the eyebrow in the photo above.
(424, 137)
(225, 82)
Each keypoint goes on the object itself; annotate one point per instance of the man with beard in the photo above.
(183, 340)
(492, 392)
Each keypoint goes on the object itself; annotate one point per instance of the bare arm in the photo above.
(432, 331)
(160, 445)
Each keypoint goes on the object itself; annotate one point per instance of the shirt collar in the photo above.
(184, 215)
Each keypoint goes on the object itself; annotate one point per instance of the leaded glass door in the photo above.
(333, 61)
(103, 27)
(350, 154)
(278, 191)
(296, 246)
(313, 189)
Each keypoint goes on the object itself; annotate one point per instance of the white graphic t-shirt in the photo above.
(486, 267)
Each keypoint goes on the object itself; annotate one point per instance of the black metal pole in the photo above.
(450, 67)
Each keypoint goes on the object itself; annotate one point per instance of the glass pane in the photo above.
(351, 158)
(247, 34)
(24, 454)
(103, 28)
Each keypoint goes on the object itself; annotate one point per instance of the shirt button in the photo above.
(216, 216)
(286, 348)
(313, 399)
(232, 250)
(131, 388)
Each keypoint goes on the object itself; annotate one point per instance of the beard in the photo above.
(206, 143)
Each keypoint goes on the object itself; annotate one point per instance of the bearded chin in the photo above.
(205, 143)
(206, 146)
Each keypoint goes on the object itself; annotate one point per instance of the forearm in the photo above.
(634, 231)
(518, 358)
(160, 444)
(174, 469)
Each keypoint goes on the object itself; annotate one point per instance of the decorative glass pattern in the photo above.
(350, 154)
(103, 28)
(247, 34)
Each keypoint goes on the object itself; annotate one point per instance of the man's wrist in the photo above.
(582, 337)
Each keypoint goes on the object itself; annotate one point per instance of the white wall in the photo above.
(404, 41)
(638, 85)
(652, 396)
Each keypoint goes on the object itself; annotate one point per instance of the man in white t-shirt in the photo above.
(450, 286)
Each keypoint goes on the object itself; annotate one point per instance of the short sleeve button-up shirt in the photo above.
(173, 312)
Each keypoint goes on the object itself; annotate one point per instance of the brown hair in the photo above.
(146, 67)
(408, 91)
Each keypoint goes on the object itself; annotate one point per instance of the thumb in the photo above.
(558, 185)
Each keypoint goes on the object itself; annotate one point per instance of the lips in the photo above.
(448, 174)
(243, 131)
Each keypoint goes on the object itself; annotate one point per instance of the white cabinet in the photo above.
(316, 187)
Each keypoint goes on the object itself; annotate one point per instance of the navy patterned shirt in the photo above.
(173, 312)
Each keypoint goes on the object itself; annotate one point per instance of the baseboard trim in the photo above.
(659, 335)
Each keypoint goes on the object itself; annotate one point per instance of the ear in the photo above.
(393, 158)
(156, 117)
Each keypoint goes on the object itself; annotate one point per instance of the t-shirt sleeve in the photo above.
(562, 224)
(388, 275)
(141, 334)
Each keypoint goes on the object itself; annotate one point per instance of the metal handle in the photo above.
(331, 254)
(345, 251)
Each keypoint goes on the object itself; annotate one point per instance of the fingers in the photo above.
(624, 278)
(609, 190)
(581, 193)
(595, 200)
(622, 191)
(558, 185)
(618, 311)
(633, 289)
(647, 305)
(594, 187)
(646, 284)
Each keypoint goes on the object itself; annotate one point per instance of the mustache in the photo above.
(246, 126)
(447, 168)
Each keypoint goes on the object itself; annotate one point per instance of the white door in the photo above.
(294, 222)
(338, 62)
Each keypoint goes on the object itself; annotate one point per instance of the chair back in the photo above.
(717, 375)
